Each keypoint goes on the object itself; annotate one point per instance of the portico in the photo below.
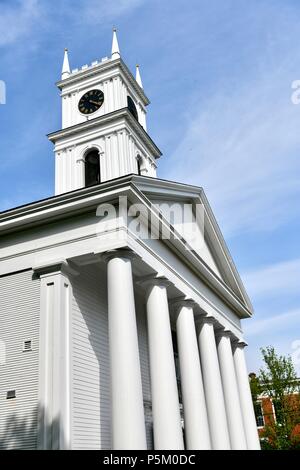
(212, 413)
(212, 373)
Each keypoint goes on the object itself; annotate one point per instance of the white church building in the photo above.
(120, 305)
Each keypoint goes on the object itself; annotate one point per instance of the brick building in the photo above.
(270, 412)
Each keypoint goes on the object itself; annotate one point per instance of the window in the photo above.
(279, 412)
(259, 415)
(132, 108)
(92, 168)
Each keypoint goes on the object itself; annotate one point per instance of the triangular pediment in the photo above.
(180, 214)
(186, 208)
(206, 255)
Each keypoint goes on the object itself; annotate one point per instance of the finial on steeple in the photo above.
(66, 66)
(115, 51)
(138, 76)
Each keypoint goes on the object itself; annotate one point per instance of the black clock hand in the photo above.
(95, 102)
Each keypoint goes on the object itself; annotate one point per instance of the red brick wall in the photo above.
(268, 412)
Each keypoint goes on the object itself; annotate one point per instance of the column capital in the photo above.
(125, 253)
(53, 267)
(179, 302)
(154, 280)
(239, 344)
(205, 320)
(223, 333)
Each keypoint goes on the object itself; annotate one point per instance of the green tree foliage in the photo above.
(255, 387)
(278, 380)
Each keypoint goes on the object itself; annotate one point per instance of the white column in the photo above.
(245, 397)
(165, 403)
(231, 394)
(213, 385)
(194, 406)
(54, 414)
(128, 424)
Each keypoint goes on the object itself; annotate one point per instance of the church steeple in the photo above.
(66, 66)
(104, 132)
(115, 50)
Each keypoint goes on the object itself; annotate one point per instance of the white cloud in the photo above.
(277, 279)
(273, 324)
(269, 286)
(23, 17)
(17, 19)
(99, 11)
(243, 145)
(281, 331)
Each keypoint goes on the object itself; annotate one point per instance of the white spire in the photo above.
(66, 66)
(115, 51)
(138, 76)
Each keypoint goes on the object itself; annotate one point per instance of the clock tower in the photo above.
(104, 131)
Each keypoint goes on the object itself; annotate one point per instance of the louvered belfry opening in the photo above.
(139, 166)
(92, 168)
(132, 108)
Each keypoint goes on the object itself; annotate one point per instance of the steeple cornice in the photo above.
(123, 113)
(109, 64)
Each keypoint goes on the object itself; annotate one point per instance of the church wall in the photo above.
(19, 322)
(70, 98)
(115, 90)
(118, 148)
(90, 361)
(18, 252)
(48, 242)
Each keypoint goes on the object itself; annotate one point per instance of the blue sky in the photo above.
(218, 74)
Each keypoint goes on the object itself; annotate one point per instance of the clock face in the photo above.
(91, 101)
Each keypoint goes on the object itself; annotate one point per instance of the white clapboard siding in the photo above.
(19, 322)
(90, 361)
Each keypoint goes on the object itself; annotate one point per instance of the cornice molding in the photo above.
(91, 71)
(54, 267)
(125, 253)
(86, 199)
(122, 113)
